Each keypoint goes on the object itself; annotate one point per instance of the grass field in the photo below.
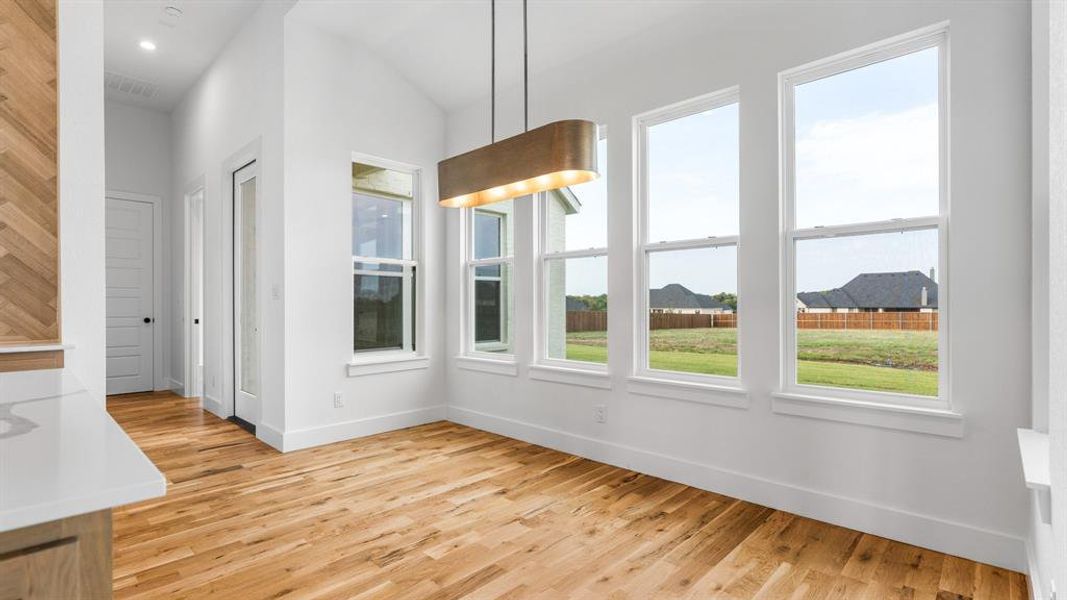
(888, 361)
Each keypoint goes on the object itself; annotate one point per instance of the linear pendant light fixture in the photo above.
(556, 155)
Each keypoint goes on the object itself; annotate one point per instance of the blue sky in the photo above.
(867, 150)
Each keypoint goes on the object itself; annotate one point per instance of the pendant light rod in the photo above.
(525, 72)
(553, 156)
(492, 71)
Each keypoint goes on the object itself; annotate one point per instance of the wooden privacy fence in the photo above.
(587, 320)
(899, 321)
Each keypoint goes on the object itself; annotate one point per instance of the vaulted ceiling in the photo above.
(187, 40)
(442, 46)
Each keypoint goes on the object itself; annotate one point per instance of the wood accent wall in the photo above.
(29, 207)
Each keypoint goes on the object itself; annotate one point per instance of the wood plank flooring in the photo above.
(444, 511)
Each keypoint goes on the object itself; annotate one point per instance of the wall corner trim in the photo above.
(308, 437)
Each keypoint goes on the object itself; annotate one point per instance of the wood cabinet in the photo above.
(29, 194)
(69, 559)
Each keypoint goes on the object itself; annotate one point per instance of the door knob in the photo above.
(148, 319)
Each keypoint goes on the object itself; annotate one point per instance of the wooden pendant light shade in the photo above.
(553, 156)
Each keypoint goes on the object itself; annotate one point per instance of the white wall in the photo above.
(233, 111)
(340, 99)
(963, 496)
(1049, 544)
(81, 188)
(137, 144)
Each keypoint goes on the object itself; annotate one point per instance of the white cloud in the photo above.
(871, 168)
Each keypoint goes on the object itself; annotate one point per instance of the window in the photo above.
(489, 269)
(574, 257)
(688, 161)
(383, 257)
(864, 213)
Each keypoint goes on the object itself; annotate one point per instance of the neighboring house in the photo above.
(676, 298)
(904, 291)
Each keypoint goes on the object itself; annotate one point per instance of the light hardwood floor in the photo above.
(444, 511)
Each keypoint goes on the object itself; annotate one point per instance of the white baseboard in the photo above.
(271, 436)
(213, 406)
(347, 430)
(176, 386)
(1033, 573)
(975, 543)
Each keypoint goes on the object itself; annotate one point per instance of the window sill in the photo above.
(686, 391)
(488, 365)
(572, 376)
(932, 421)
(386, 363)
(1034, 450)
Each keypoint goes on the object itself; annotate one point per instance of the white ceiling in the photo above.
(442, 46)
(185, 46)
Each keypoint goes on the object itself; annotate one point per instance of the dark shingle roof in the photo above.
(898, 290)
(677, 296)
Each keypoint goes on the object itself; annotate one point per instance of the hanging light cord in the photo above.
(525, 72)
(492, 71)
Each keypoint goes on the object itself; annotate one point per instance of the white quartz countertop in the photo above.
(61, 453)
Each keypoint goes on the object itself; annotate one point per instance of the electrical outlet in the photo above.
(338, 400)
(600, 413)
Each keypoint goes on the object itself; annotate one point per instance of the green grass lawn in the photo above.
(888, 361)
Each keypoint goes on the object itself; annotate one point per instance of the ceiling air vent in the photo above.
(130, 86)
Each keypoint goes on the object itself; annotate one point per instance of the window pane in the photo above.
(493, 228)
(381, 227)
(867, 143)
(577, 309)
(492, 310)
(867, 312)
(693, 176)
(381, 302)
(693, 311)
(249, 317)
(578, 215)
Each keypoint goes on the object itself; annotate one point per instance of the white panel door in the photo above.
(130, 312)
(245, 300)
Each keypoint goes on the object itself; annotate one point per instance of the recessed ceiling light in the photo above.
(148, 45)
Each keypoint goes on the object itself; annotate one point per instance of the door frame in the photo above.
(239, 291)
(191, 378)
(248, 154)
(159, 331)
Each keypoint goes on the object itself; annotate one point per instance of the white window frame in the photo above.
(544, 258)
(412, 354)
(643, 374)
(472, 348)
(790, 390)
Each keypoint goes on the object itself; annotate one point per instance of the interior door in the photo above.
(245, 300)
(196, 292)
(129, 262)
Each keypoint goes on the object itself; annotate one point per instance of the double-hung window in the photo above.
(574, 270)
(490, 256)
(384, 251)
(865, 210)
(688, 173)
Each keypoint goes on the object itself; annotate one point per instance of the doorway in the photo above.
(245, 299)
(194, 316)
(133, 278)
